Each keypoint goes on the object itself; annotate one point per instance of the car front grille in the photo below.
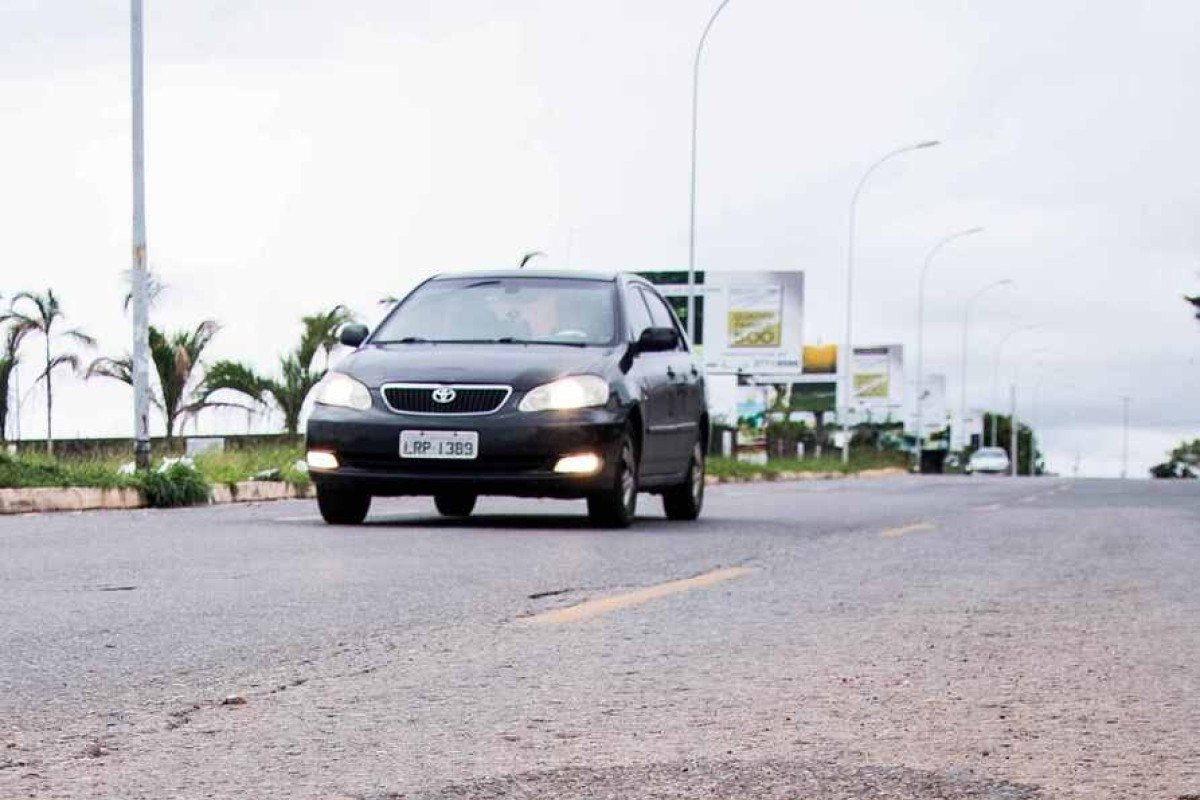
(438, 399)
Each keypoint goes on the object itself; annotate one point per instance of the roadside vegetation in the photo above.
(299, 371)
(28, 470)
(172, 483)
(782, 468)
(175, 359)
(31, 313)
(1183, 461)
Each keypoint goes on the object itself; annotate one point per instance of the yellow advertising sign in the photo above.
(820, 359)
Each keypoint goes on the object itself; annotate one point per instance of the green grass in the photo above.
(177, 485)
(36, 470)
(39, 470)
(732, 468)
(232, 466)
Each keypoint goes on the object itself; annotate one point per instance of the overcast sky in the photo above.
(302, 154)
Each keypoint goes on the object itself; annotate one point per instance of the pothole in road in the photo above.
(719, 780)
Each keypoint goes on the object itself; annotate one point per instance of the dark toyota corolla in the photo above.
(534, 384)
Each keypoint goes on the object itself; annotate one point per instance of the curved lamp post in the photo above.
(847, 357)
(691, 279)
(962, 404)
(933, 251)
(529, 256)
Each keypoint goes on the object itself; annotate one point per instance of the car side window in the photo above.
(662, 316)
(636, 310)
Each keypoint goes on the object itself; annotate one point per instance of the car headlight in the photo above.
(339, 389)
(577, 391)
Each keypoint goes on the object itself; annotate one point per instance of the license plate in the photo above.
(439, 444)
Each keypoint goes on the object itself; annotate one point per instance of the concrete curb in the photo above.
(776, 477)
(48, 499)
(79, 498)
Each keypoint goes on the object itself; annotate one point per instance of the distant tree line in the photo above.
(1183, 462)
(33, 328)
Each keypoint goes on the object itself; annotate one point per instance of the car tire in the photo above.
(343, 506)
(617, 506)
(685, 501)
(455, 505)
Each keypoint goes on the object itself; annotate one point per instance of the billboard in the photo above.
(878, 378)
(814, 398)
(752, 322)
(934, 410)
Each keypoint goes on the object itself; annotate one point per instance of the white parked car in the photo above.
(989, 460)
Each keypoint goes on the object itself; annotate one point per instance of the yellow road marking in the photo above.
(913, 528)
(604, 605)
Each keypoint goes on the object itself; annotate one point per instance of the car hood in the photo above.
(520, 366)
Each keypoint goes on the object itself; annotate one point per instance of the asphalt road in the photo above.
(898, 638)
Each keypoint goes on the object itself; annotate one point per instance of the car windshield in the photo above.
(990, 452)
(565, 311)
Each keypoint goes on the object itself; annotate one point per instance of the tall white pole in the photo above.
(1124, 436)
(141, 356)
(996, 375)
(1014, 427)
(847, 354)
(691, 277)
(962, 404)
(16, 412)
(920, 433)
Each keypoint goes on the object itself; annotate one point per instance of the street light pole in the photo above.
(933, 251)
(1124, 436)
(691, 276)
(847, 356)
(996, 375)
(962, 405)
(141, 371)
(1014, 446)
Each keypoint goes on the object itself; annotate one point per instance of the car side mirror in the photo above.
(353, 335)
(657, 340)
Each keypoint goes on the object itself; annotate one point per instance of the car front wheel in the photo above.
(343, 506)
(616, 506)
(684, 501)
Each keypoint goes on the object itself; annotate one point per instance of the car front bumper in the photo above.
(517, 452)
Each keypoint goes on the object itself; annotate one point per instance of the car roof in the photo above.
(532, 273)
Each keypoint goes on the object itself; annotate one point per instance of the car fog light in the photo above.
(319, 459)
(583, 464)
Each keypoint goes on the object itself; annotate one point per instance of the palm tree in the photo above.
(9, 358)
(299, 370)
(43, 315)
(176, 358)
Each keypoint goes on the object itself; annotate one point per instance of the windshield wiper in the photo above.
(515, 340)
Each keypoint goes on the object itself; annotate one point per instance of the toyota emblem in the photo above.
(444, 394)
